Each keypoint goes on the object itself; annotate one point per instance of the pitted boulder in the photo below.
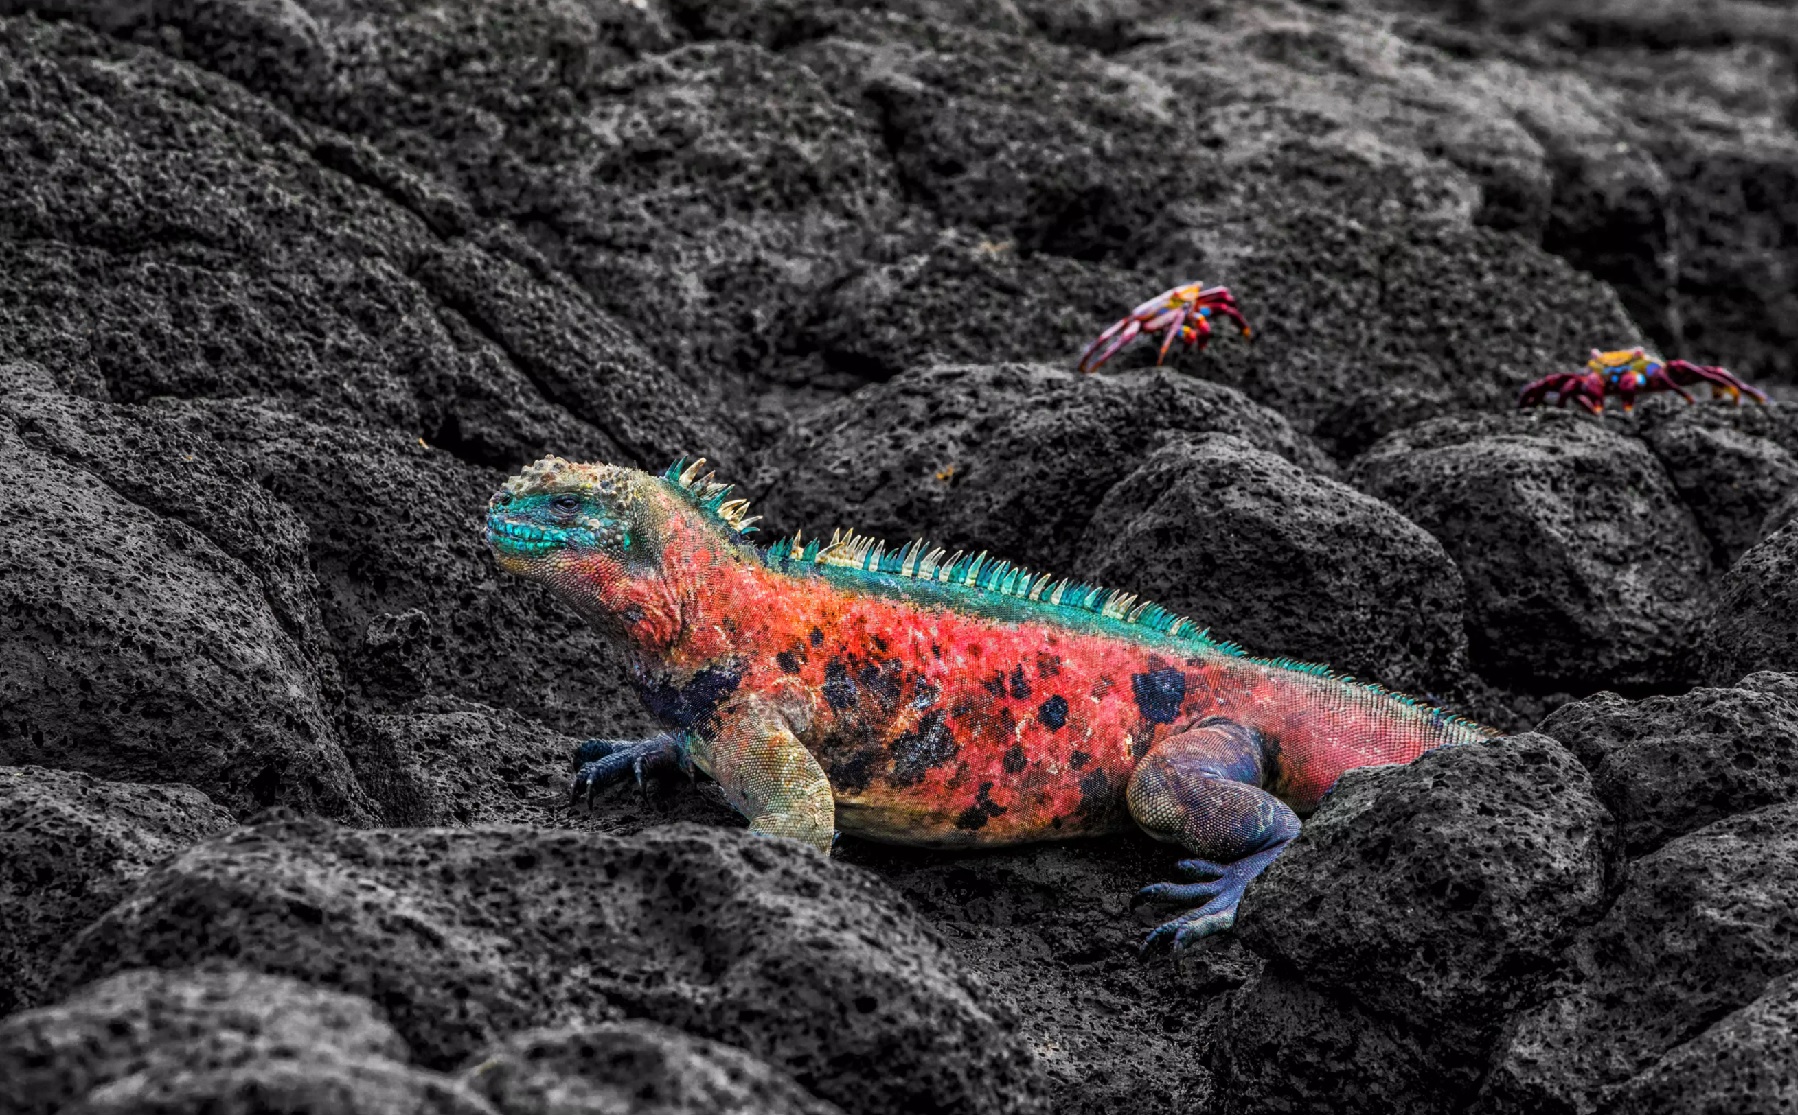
(1669, 765)
(470, 935)
(70, 846)
(1009, 458)
(1283, 561)
(1753, 624)
(1430, 899)
(632, 1066)
(1582, 566)
(1704, 926)
(1730, 475)
(214, 1040)
(139, 650)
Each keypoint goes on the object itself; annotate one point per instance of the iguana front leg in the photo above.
(1202, 789)
(766, 773)
(600, 763)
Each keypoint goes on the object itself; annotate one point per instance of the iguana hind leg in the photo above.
(767, 774)
(1201, 789)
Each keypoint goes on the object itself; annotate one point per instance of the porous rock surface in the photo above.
(286, 290)
(216, 1039)
(468, 936)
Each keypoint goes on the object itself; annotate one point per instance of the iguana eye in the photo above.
(565, 505)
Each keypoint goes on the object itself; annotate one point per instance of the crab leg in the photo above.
(1174, 329)
(1724, 383)
(1130, 327)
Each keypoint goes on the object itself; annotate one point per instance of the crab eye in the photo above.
(565, 505)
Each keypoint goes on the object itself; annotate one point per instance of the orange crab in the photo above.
(1184, 313)
(1627, 372)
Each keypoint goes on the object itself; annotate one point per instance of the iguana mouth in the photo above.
(512, 535)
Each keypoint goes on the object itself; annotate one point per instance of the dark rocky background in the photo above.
(288, 286)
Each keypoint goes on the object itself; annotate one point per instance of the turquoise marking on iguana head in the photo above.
(555, 508)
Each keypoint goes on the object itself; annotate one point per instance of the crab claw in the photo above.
(1677, 375)
(1182, 313)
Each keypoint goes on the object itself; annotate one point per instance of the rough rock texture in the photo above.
(169, 234)
(1212, 527)
(1731, 466)
(629, 1067)
(138, 649)
(70, 847)
(1664, 136)
(1754, 623)
(1581, 564)
(1743, 1062)
(1427, 900)
(219, 1040)
(1666, 766)
(1008, 458)
(1703, 926)
(467, 936)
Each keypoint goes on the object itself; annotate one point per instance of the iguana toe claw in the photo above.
(1218, 897)
(601, 763)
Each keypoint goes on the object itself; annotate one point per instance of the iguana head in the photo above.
(595, 534)
(623, 546)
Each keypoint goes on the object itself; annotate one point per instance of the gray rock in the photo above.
(1283, 561)
(1730, 478)
(1667, 154)
(1429, 900)
(139, 650)
(1753, 622)
(1782, 514)
(1705, 923)
(968, 299)
(1745, 1062)
(1666, 766)
(469, 935)
(1582, 566)
(631, 1067)
(218, 1040)
(1008, 458)
(171, 234)
(70, 847)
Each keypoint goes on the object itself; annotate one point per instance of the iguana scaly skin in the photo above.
(911, 698)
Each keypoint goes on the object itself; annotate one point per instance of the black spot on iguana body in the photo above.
(1020, 686)
(996, 684)
(1079, 759)
(688, 704)
(817, 637)
(984, 808)
(788, 661)
(929, 745)
(839, 688)
(883, 681)
(851, 774)
(1095, 796)
(1053, 712)
(1014, 759)
(1160, 694)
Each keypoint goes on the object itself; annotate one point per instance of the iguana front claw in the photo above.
(1219, 896)
(601, 763)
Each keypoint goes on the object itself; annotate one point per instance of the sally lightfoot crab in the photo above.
(1626, 373)
(1183, 313)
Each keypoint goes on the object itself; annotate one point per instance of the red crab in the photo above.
(1624, 373)
(1184, 312)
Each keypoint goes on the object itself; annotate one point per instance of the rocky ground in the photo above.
(286, 289)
